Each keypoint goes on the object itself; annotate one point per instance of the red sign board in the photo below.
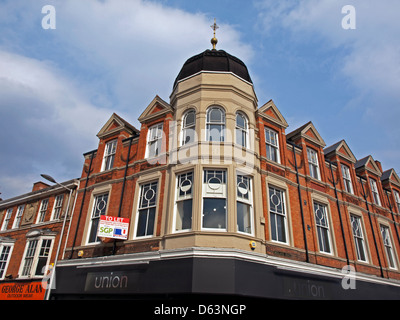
(22, 291)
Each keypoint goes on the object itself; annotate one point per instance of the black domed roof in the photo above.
(213, 60)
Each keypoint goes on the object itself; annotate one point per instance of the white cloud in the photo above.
(140, 45)
(58, 87)
(366, 59)
(46, 123)
(372, 55)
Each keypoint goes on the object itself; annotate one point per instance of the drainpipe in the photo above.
(372, 227)
(300, 199)
(83, 201)
(340, 214)
(123, 185)
(391, 211)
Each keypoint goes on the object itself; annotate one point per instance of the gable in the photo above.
(370, 166)
(368, 163)
(311, 134)
(308, 132)
(270, 112)
(342, 149)
(114, 125)
(157, 107)
(391, 176)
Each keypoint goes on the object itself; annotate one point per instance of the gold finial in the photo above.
(214, 40)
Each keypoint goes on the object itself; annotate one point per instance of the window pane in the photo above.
(241, 121)
(388, 246)
(93, 230)
(271, 138)
(358, 237)
(99, 209)
(243, 217)
(214, 213)
(146, 222)
(215, 132)
(43, 256)
(277, 215)
(154, 140)
(183, 215)
(277, 228)
(215, 115)
(183, 219)
(147, 210)
(188, 136)
(190, 119)
(4, 254)
(272, 153)
(30, 253)
(215, 124)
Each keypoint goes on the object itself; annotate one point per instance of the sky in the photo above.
(59, 85)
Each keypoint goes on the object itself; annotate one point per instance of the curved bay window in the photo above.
(184, 200)
(244, 204)
(241, 129)
(189, 127)
(214, 200)
(215, 124)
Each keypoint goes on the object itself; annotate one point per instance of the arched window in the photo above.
(215, 124)
(242, 128)
(188, 127)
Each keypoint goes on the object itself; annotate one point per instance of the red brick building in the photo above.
(222, 200)
(30, 231)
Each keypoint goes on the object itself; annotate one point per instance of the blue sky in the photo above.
(58, 87)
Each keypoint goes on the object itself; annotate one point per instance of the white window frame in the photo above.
(313, 164)
(35, 257)
(7, 218)
(98, 209)
(221, 124)
(109, 155)
(374, 191)
(397, 199)
(18, 216)
(242, 132)
(348, 185)
(271, 146)
(273, 212)
(358, 237)
(5, 258)
(388, 244)
(184, 193)
(322, 227)
(57, 207)
(244, 196)
(44, 204)
(214, 187)
(154, 137)
(148, 201)
(188, 128)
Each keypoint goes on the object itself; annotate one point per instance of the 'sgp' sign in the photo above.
(113, 227)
